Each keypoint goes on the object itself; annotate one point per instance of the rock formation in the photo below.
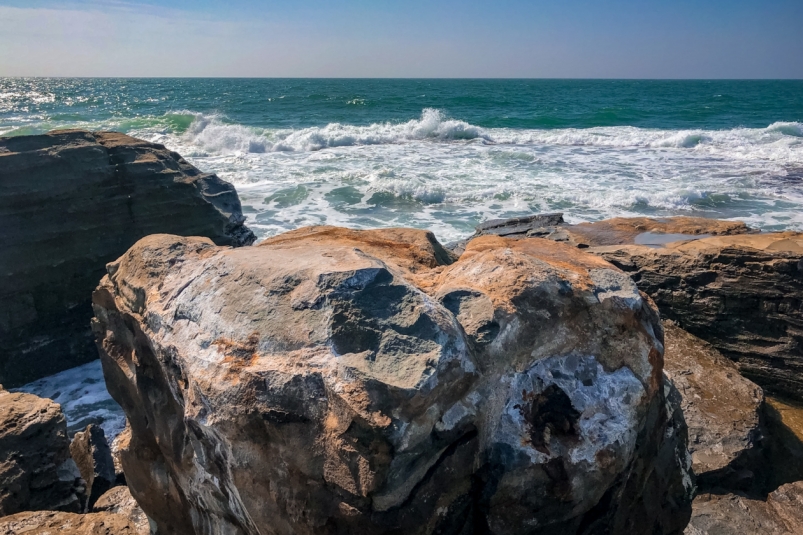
(743, 294)
(51, 522)
(332, 381)
(92, 455)
(722, 409)
(70, 202)
(119, 501)
(36, 471)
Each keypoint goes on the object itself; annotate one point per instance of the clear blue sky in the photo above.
(411, 38)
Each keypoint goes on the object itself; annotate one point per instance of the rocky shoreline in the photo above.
(632, 375)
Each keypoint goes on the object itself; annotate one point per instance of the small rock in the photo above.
(92, 455)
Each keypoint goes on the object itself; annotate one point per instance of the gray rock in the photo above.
(119, 501)
(71, 201)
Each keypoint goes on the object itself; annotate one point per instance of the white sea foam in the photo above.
(83, 397)
(447, 175)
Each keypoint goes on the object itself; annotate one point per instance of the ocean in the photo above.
(448, 154)
(442, 154)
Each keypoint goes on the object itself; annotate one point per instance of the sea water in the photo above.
(448, 154)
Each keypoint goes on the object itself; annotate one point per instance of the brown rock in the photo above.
(743, 294)
(51, 522)
(92, 455)
(333, 381)
(722, 408)
(70, 202)
(36, 471)
(732, 514)
(119, 501)
(649, 231)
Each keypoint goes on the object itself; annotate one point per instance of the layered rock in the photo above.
(336, 381)
(742, 293)
(92, 455)
(52, 522)
(70, 202)
(36, 471)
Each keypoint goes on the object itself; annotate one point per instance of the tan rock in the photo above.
(722, 408)
(336, 381)
(92, 455)
(70, 202)
(119, 501)
(36, 471)
(52, 523)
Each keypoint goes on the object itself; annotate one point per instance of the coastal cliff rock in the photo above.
(334, 381)
(722, 409)
(743, 294)
(36, 471)
(71, 201)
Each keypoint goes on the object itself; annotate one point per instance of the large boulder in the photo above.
(36, 471)
(70, 202)
(741, 293)
(333, 381)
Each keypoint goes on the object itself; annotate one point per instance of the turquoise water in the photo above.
(447, 154)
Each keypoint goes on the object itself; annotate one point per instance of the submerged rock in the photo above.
(335, 381)
(92, 455)
(71, 201)
(743, 294)
(36, 471)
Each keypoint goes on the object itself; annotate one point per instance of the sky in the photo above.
(410, 38)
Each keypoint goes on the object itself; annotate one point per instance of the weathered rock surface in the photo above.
(722, 409)
(92, 455)
(70, 202)
(52, 522)
(119, 501)
(733, 514)
(36, 471)
(333, 381)
(742, 293)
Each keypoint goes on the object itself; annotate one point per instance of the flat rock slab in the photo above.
(71, 201)
(51, 522)
(732, 514)
(722, 408)
(336, 381)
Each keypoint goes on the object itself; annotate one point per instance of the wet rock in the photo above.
(733, 514)
(36, 471)
(52, 522)
(722, 409)
(70, 202)
(92, 455)
(743, 294)
(650, 231)
(334, 381)
(119, 501)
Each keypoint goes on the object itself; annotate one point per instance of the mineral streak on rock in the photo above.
(71, 201)
(742, 293)
(335, 381)
(36, 471)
